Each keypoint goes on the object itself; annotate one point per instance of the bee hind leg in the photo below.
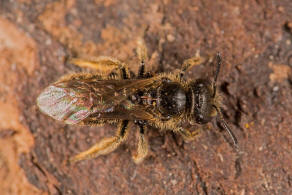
(142, 150)
(105, 146)
(103, 64)
(142, 55)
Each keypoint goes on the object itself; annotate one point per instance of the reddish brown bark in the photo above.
(254, 38)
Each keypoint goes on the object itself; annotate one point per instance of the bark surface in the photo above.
(254, 38)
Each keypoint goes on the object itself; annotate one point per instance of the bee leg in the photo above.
(105, 146)
(103, 64)
(142, 55)
(142, 145)
(187, 64)
(187, 135)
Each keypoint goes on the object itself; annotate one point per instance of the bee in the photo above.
(115, 95)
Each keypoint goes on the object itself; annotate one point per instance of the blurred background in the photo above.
(254, 38)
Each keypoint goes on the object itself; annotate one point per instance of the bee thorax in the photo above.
(171, 99)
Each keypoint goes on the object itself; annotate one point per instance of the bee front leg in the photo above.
(187, 64)
(105, 146)
(142, 150)
(104, 64)
(187, 135)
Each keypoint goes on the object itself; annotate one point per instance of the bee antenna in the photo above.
(219, 61)
(225, 126)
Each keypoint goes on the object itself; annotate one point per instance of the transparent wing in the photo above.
(118, 113)
(64, 104)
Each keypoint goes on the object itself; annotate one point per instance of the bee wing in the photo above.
(64, 104)
(124, 88)
(135, 113)
(74, 99)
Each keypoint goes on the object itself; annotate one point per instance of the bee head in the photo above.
(203, 100)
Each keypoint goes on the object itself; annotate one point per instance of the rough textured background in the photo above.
(254, 38)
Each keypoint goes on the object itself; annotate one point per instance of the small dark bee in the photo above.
(165, 101)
